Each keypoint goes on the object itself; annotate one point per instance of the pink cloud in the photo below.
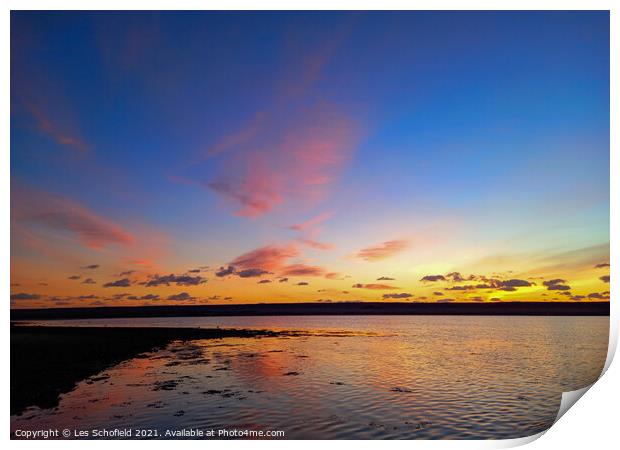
(241, 136)
(43, 101)
(315, 244)
(302, 270)
(40, 245)
(335, 276)
(62, 214)
(293, 149)
(295, 156)
(310, 229)
(57, 133)
(276, 259)
(383, 250)
(257, 191)
(270, 257)
(142, 263)
(312, 223)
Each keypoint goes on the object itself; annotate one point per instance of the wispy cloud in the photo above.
(295, 156)
(310, 224)
(293, 148)
(336, 276)
(316, 244)
(300, 270)
(384, 250)
(62, 214)
(240, 137)
(59, 134)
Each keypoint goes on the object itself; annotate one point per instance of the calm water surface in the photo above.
(349, 377)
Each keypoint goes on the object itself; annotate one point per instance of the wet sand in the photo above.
(48, 361)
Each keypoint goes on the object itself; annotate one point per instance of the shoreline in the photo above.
(48, 361)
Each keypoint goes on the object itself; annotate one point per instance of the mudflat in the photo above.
(48, 361)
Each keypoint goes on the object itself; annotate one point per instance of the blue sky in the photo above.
(203, 136)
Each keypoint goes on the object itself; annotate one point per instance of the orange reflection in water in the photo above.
(364, 377)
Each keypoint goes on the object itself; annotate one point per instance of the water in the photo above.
(360, 377)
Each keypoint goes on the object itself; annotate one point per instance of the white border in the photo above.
(590, 422)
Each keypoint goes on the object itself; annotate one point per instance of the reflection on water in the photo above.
(402, 377)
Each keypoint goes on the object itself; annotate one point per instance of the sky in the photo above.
(247, 157)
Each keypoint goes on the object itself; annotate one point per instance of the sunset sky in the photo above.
(190, 158)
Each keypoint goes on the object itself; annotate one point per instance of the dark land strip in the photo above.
(323, 309)
(49, 361)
